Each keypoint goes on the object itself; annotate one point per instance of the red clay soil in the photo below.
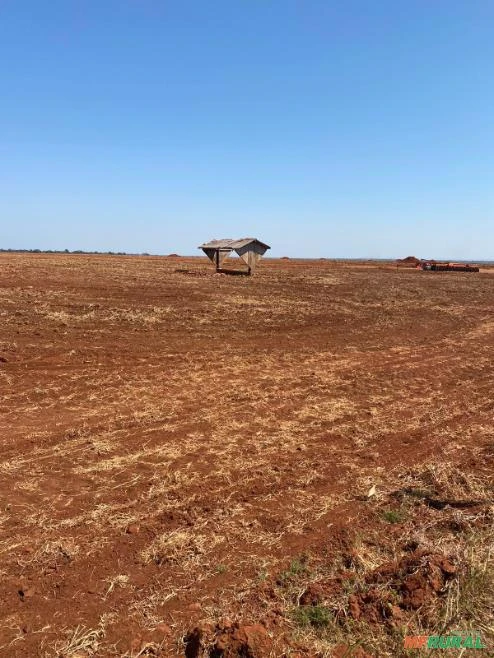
(168, 442)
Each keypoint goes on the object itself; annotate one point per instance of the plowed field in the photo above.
(185, 456)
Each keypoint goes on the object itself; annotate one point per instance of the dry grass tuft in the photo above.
(82, 641)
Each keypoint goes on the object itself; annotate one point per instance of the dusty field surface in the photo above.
(186, 458)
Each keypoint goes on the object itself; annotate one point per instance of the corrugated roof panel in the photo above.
(231, 244)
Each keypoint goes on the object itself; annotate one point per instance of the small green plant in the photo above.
(419, 493)
(221, 568)
(298, 567)
(392, 516)
(316, 616)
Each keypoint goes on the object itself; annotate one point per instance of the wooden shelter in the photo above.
(249, 250)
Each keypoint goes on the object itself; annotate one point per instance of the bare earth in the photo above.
(185, 457)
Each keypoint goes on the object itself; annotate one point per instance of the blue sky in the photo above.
(339, 129)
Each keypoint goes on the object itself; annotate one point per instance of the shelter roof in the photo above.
(229, 244)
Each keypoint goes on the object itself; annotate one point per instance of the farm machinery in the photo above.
(433, 266)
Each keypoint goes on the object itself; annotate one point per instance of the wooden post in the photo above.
(217, 260)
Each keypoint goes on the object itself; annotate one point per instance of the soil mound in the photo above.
(229, 641)
(409, 261)
(410, 583)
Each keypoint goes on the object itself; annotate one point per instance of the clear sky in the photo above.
(350, 128)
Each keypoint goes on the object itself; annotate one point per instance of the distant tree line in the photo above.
(67, 251)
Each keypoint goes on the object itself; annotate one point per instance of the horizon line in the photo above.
(82, 252)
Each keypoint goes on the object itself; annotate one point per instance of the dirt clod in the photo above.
(347, 651)
(163, 629)
(234, 641)
(416, 579)
(26, 593)
(354, 607)
(249, 641)
(313, 595)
